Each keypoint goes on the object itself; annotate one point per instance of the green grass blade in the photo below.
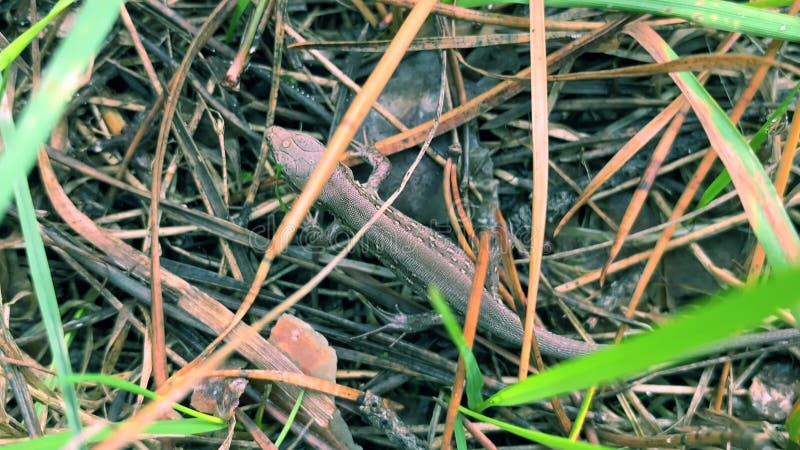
(278, 178)
(770, 3)
(290, 420)
(474, 382)
(681, 338)
(10, 53)
(459, 434)
(118, 383)
(241, 5)
(179, 427)
(46, 296)
(765, 211)
(42, 281)
(724, 179)
(548, 440)
(716, 14)
(59, 82)
(793, 424)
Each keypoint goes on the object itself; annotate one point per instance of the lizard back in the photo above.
(417, 254)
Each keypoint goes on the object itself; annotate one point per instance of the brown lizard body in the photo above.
(422, 257)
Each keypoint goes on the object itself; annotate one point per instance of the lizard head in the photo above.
(298, 154)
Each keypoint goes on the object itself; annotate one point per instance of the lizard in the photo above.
(421, 257)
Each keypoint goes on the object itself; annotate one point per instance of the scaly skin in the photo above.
(421, 257)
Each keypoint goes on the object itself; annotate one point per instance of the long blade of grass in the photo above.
(473, 373)
(716, 14)
(764, 209)
(48, 303)
(680, 338)
(724, 179)
(10, 53)
(59, 83)
(290, 420)
(42, 282)
(548, 440)
(118, 383)
(179, 427)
